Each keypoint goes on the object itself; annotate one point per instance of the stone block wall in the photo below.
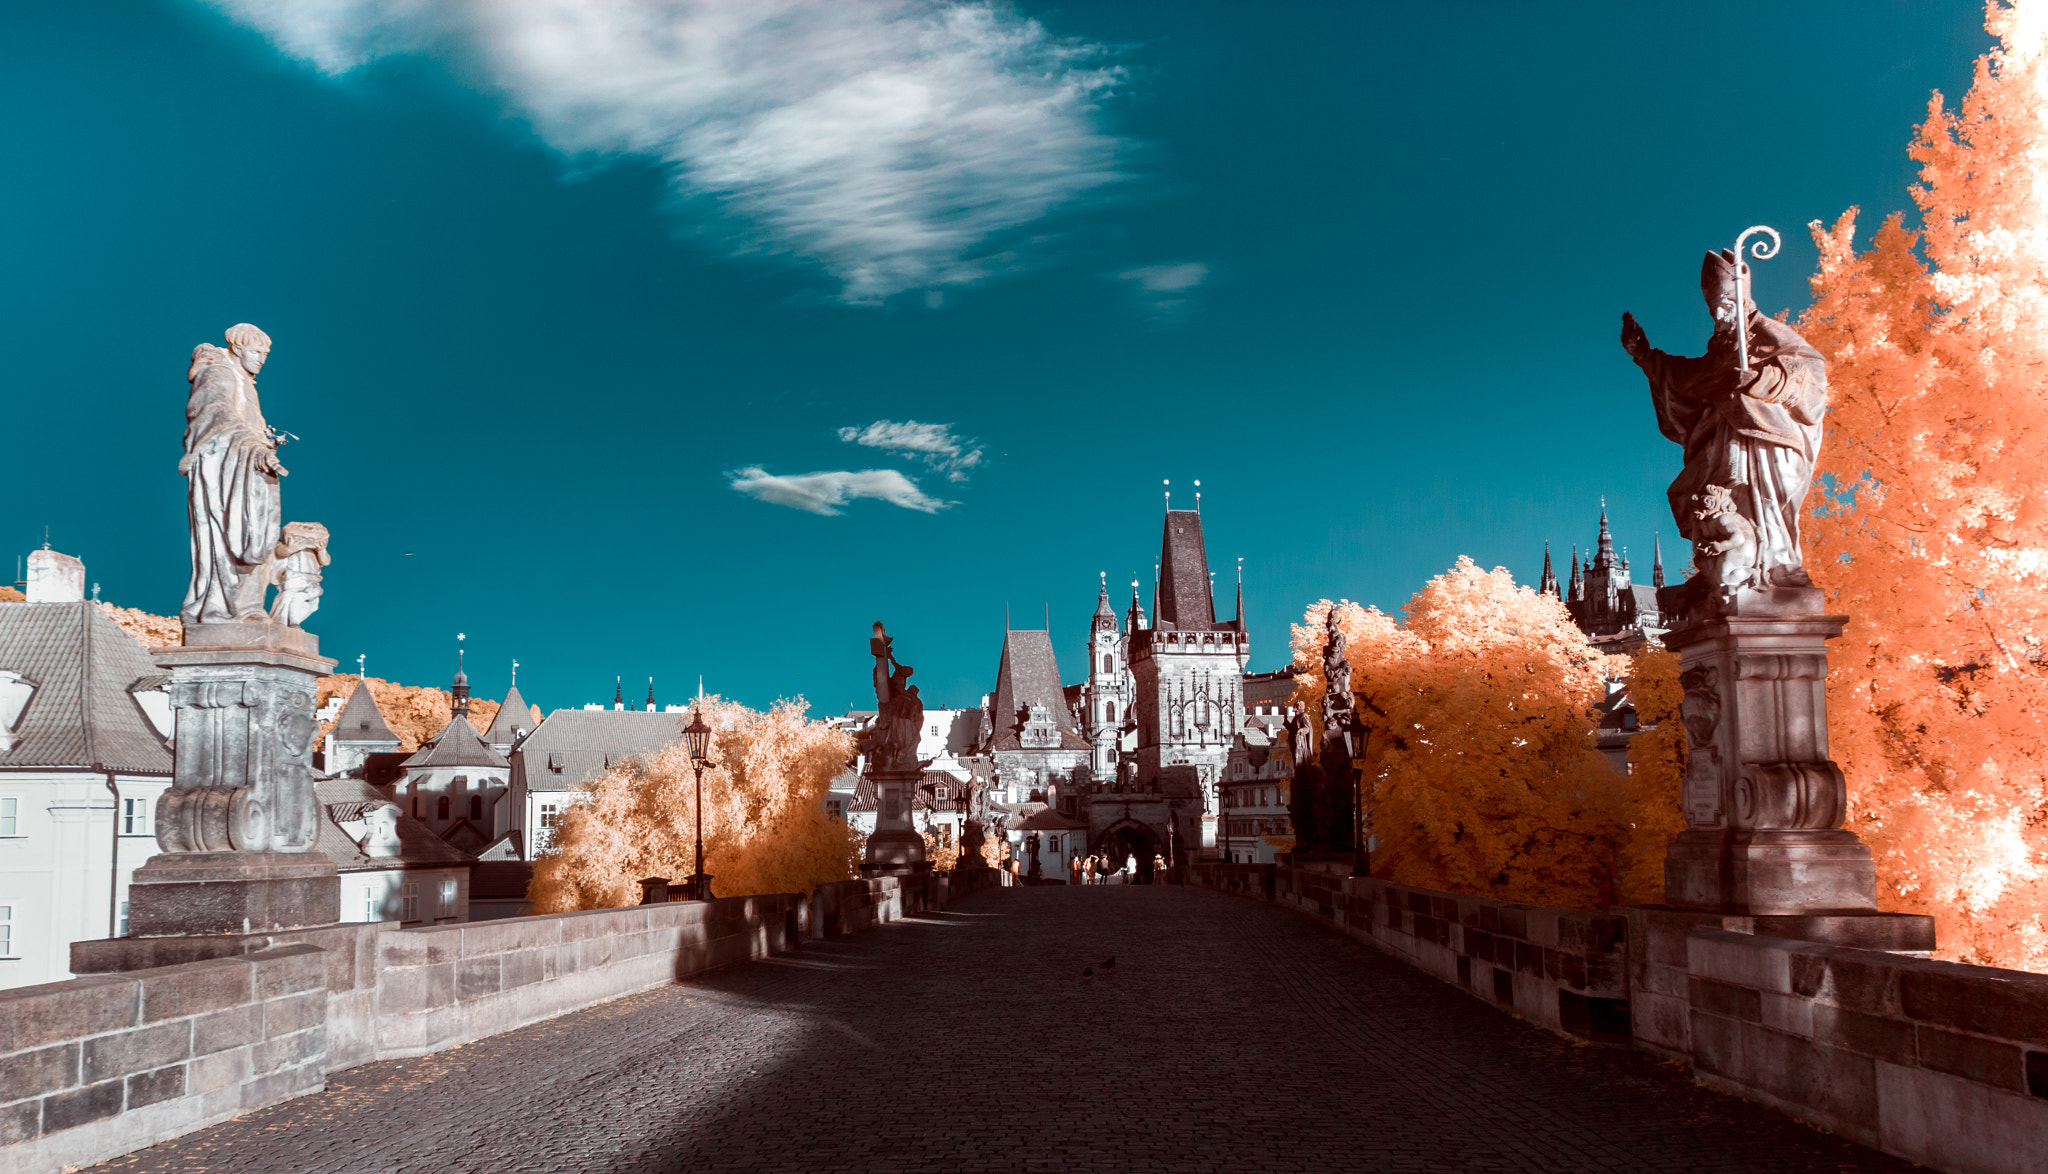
(98, 1066)
(441, 986)
(166, 1035)
(1938, 1062)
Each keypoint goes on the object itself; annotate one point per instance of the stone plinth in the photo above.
(238, 825)
(895, 847)
(1763, 801)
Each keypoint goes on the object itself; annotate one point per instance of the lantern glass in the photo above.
(697, 739)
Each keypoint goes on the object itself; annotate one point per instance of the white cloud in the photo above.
(1168, 278)
(1167, 290)
(893, 143)
(824, 493)
(935, 443)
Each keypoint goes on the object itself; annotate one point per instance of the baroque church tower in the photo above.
(1109, 684)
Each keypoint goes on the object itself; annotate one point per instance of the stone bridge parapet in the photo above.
(1942, 1063)
(161, 1036)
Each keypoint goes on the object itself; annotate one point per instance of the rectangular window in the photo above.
(447, 898)
(7, 931)
(135, 817)
(123, 932)
(412, 901)
(373, 907)
(10, 810)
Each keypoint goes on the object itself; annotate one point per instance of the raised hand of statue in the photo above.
(1634, 339)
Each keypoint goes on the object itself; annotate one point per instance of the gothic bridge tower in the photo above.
(1187, 673)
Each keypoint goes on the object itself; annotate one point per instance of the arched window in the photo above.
(476, 807)
(1109, 711)
(441, 808)
(1106, 662)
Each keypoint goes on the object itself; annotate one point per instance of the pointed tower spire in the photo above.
(461, 687)
(1575, 589)
(1240, 594)
(1656, 560)
(618, 693)
(650, 696)
(1548, 584)
(1604, 553)
(1135, 618)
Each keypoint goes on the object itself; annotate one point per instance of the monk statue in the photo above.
(1750, 430)
(231, 473)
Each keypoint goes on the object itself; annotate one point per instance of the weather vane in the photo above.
(1762, 251)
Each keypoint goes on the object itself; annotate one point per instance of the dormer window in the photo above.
(15, 691)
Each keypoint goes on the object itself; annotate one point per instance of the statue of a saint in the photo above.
(1754, 432)
(899, 712)
(231, 472)
(1337, 715)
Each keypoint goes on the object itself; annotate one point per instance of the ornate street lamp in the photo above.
(697, 740)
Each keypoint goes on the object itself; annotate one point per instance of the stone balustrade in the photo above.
(165, 1035)
(1939, 1062)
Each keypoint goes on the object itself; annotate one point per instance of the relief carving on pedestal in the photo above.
(1700, 711)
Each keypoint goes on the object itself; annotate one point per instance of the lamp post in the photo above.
(697, 739)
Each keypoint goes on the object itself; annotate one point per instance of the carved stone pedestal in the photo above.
(238, 825)
(896, 848)
(1763, 802)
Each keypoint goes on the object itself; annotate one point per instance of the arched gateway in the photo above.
(1128, 841)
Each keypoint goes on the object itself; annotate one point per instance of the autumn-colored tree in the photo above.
(1649, 805)
(1932, 535)
(1480, 770)
(10, 595)
(415, 713)
(765, 825)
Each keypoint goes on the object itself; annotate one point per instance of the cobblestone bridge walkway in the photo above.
(1229, 1036)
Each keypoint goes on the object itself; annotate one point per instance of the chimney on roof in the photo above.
(54, 578)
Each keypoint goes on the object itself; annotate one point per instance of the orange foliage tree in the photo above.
(1933, 533)
(765, 825)
(1479, 765)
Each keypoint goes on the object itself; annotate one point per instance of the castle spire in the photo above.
(1604, 555)
(1548, 584)
(618, 693)
(650, 695)
(1656, 561)
(1575, 589)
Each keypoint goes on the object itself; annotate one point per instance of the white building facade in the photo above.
(84, 755)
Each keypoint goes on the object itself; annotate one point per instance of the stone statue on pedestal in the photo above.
(1763, 802)
(237, 825)
(893, 765)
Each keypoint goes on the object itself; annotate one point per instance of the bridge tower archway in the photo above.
(1128, 841)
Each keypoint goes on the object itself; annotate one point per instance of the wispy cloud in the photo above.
(934, 443)
(897, 144)
(824, 493)
(1167, 291)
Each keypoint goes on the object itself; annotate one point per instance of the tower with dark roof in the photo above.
(1548, 585)
(1187, 675)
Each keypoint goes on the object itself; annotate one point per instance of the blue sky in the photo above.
(568, 300)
